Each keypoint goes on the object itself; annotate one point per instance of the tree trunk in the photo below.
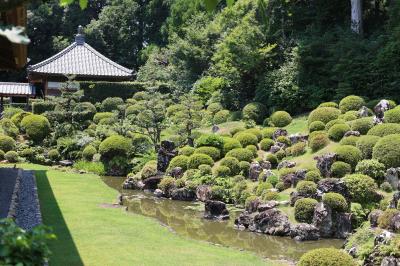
(356, 16)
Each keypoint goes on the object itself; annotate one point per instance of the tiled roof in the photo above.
(11, 88)
(82, 60)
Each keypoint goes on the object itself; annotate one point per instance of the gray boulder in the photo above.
(244, 220)
(165, 154)
(286, 164)
(216, 210)
(203, 192)
(324, 163)
(252, 206)
(177, 172)
(342, 222)
(272, 222)
(333, 185)
(279, 132)
(395, 200)
(304, 232)
(374, 216)
(183, 194)
(267, 206)
(322, 219)
(255, 170)
(392, 177)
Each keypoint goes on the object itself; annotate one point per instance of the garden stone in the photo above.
(183, 194)
(267, 206)
(215, 129)
(130, 183)
(158, 193)
(165, 154)
(342, 222)
(323, 219)
(279, 132)
(380, 110)
(266, 165)
(395, 200)
(304, 232)
(295, 196)
(177, 172)
(392, 177)
(374, 216)
(265, 174)
(333, 185)
(244, 220)
(383, 238)
(394, 225)
(254, 171)
(274, 149)
(287, 180)
(324, 163)
(286, 164)
(352, 133)
(272, 222)
(295, 138)
(216, 210)
(252, 206)
(298, 176)
(152, 182)
(66, 163)
(203, 192)
(363, 112)
(390, 261)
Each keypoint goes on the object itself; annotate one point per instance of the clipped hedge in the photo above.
(40, 107)
(348, 154)
(256, 132)
(280, 119)
(211, 140)
(187, 150)
(232, 163)
(213, 152)
(6, 143)
(179, 161)
(246, 139)
(387, 151)
(306, 187)
(196, 160)
(304, 210)
(366, 145)
(222, 171)
(268, 132)
(318, 141)
(37, 127)
(350, 140)
(241, 154)
(385, 129)
(313, 176)
(221, 117)
(351, 103)
(316, 126)
(17, 118)
(111, 103)
(11, 156)
(326, 257)
(115, 145)
(88, 153)
(266, 144)
(329, 104)
(371, 168)
(254, 111)
(340, 169)
(337, 132)
(230, 144)
(334, 122)
(336, 201)
(362, 125)
(362, 188)
(103, 115)
(324, 114)
(393, 115)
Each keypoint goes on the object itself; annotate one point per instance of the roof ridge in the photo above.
(54, 57)
(13, 82)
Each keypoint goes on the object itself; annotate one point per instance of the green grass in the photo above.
(89, 234)
(298, 125)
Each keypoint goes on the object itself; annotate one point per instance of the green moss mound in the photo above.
(366, 145)
(316, 126)
(392, 115)
(241, 154)
(350, 140)
(351, 103)
(387, 151)
(337, 132)
(336, 201)
(362, 188)
(196, 160)
(304, 210)
(334, 122)
(6, 143)
(386, 129)
(115, 145)
(37, 127)
(348, 154)
(326, 257)
(280, 119)
(318, 141)
(324, 114)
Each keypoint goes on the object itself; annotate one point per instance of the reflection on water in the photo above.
(185, 218)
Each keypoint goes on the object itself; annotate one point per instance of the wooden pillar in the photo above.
(1, 106)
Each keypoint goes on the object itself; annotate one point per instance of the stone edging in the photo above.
(12, 212)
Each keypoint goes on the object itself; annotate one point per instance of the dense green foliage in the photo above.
(386, 151)
(304, 210)
(336, 201)
(362, 188)
(326, 257)
(348, 154)
(280, 119)
(37, 127)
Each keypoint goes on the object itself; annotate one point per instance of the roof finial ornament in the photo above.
(80, 37)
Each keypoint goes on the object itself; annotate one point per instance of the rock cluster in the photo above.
(324, 163)
(215, 210)
(165, 154)
(392, 177)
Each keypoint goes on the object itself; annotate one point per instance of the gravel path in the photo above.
(8, 177)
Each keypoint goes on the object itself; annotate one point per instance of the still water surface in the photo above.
(185, 218)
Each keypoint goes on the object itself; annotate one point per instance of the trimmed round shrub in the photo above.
(268, 132)
(387, 151)
(102, 115)
(316, 126)
(313, 176)
(244, 168)
(362, 188)
(134, 110)
(253, 149)
(263, 187)
(280, 186)
(362, 125)
(214, 108)
(246, 139)
(280, 119)
(329, 104)
(266, 144)
(222, 171)
(111, 103)
(179, 161)
(280, 154)
(198, 159)
(84, 111)
(254, 111)
(149, 170)
(54, 155)
(297, 149)
(326, 257)
(284, 140)
(115, 145)
(273, 180)
(387, 187)
(382, 130)
(187, 150)
(337, 132)
(6, 143)
(205, 169)
(349, 116)
(256, 132)
(348, 154)
(306, 187)
(392, 116)
(11, 156)
(340, 169)
(241, 154)
(17, 118)
(235, 130)
(371, 168)
(37, 127)
(232, 163)
(304, 210)
(167, 184)
(9, 128)
(221, 117)
(336, 201)
(324, 114)
(210, 140)
(88, 153)
(366, 145)
(272, 159)
(385, 220)
(350, 140)
(2, 154)
(213, 152)
(230, 144)
(270, 195)
(27, 153)
(334, 122)
(351, 103)
(318, 141)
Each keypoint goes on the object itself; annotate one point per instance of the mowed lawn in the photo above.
(90, 234)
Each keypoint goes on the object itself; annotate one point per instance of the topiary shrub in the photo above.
(340, 169)
(205, 169)
(166, 185)
(246, 139)
(329, 104)
(362, 125)
(350, 140)
(304, 210)
(334, 122)
(214, 108)
(392, 116)
(349, 116)
(371, 168)
(382, 130)
(313, 176)
(244, 168)
(337, 132)
(387, 151)
(9, 128)
(232, 163)
(6, 143)
(17, 118)
(187, 151)
(256, 132)
(280, 119)
(316, 126)
(103, 115)
(149, 170)
(37, 127)
(254, 111)
(348, 154)
(297, 149)
(198, 159)
(27, 153)
(230, 144)
(324, 114)
(54, 155)
(385, 220)
(111, 104)
(336, 201)
(115, 145)
(241, 154)
(11, 156)
(270, 195)
(273, 180)
(235, 130)
(266, 144)
(326, 257)
(284, 140)
(306, 187)
(362, 188)
(83, 112)
(253, 149)
(213, 152)
(351, 103)
(268, 132)
(40, 107)
(386, 186)
(221, 117)
(318, 141)
(222, 171)
(88, 153)
(272, 159)
(280, 154)
(366, 145)
(210, 140)
(2, 154)
(280, 186)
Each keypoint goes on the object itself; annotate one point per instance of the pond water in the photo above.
(185, 218)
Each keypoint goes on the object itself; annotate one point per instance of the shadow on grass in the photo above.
(64, 251)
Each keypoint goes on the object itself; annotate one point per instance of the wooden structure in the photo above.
(15, 90)
(79, 61)
(13, 56)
